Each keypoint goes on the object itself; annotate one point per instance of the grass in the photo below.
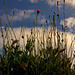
(45, 55)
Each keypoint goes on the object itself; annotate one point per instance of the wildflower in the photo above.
(38, 11)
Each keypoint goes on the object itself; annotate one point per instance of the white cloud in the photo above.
(33, 1)
(18, 15)
(70, 22)
(54, 2)
(42, 20)
(70, 2)
(51, 2)
(27, 31)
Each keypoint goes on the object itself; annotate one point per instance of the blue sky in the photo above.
(47, 7)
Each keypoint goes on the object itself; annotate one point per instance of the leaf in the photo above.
(59, 53)
(19, 52)
(55, 51)
(40, 53)
(16, 59)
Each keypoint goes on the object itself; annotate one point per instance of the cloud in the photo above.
(27, 31)
(51, 2)
(70, 2)
(54, 2)
(70, 22)
(41, 20)
(18, 15)
(33, 1)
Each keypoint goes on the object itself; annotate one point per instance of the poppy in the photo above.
(38, 11)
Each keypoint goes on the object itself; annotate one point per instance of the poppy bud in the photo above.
(38, 11)
(13, 12)
(62, 27)
(23, 37)
(2, 35)
(54, 19)
(4, 2)
(49, 16)
(46, 21)
(0, 20)
(57, 14)
(57, 3)
(62, 40)
(64, 1)
(24, 12)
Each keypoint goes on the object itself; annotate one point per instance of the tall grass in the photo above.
(43, 53)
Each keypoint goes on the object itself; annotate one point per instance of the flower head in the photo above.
(38, 11)
(57, 14)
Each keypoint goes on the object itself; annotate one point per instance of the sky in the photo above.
(47, 7)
